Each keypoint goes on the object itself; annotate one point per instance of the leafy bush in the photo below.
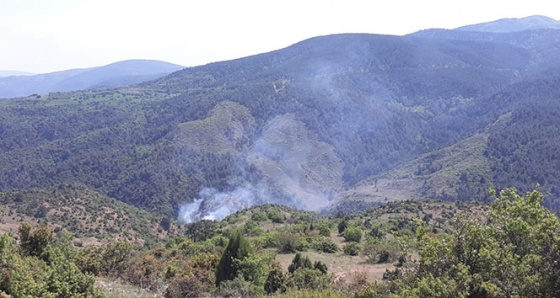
(275, 216)
(325, 245)
(275, 281)
(306, 278)
(384, 251)
(352, 249)
(324, 229)
(353, 234)
(259, 216)
(55, 274)
(287, 243)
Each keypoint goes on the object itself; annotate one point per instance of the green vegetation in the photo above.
(86, 213)
(405, 249)
(41, 267)
(249, 121)
(353, 234)
(509, 251)
(361, 120)
(236, 252)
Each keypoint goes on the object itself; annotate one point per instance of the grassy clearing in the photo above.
(115, 289)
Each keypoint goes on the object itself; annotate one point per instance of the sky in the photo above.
(41, 36)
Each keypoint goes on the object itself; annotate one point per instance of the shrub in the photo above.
(275, 281)
(342, 226)
(352, 249)
(385, 251)
(353, 234)
(305, 278)
(275, 216)
(259, 216)
(324, 230)
(287, 243)
(325, 245)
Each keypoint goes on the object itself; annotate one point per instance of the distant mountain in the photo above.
(350, 117)
(9, 73)
(514, 25)
(110, 76)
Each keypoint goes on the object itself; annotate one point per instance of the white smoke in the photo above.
(215, 205)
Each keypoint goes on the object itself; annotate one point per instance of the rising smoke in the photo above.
(212, 204)
(299, 171)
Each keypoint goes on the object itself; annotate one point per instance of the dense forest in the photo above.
(308, 123)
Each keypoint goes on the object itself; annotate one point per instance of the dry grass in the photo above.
(115, 289)
(343, 267)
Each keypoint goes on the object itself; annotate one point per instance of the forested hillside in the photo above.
(306, 126)
(118, 74)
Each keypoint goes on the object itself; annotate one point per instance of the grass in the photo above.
(115, 289)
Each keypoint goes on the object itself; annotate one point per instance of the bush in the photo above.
(376, 232)
(239, 287)
(385, 251)
(287, 243)
(275, 282)
(352, 249)
(353, 234)
(275, 216)
(342, 226)
(324, 230)
(270, 240)
(298, 262)
(325, 245)
(302, 245)
(305, 278)
(259, 216)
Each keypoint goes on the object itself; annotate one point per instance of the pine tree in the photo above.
(238, 248)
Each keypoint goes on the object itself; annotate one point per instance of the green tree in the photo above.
(238, 248)
(299, 261)
(342, 226)
(275, 281)
(33, 243)
(510, 252)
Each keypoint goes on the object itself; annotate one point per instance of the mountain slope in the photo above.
(330, 111)
(110, 76)
(89, 215)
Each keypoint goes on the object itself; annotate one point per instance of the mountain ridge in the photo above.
(113, 75)
(508, 25)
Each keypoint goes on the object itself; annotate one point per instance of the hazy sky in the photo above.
(49, 35)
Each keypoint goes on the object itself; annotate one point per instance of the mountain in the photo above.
(514, 25)
(109, 76)
(355, 119)
(9, 73)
